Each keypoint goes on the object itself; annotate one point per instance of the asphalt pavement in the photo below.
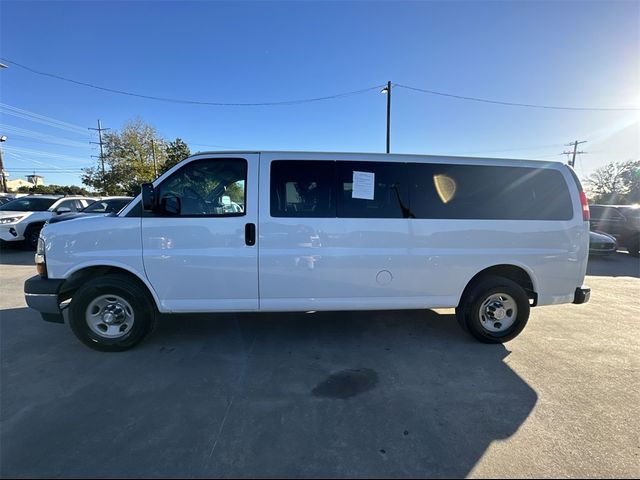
(337, 394)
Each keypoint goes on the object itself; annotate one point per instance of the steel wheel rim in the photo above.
(110, 316)
(498, 313)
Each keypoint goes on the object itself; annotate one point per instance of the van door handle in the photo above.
(250, 234)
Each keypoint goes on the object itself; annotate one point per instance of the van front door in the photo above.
(200, 247)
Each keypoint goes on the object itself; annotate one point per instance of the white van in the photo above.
(290, 231)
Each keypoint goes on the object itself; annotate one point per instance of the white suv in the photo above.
(22, 219)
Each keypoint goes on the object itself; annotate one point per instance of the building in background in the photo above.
(31, 181)
(35, 179)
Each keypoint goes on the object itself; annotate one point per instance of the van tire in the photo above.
(484, 296)
(634, 247)
(113, 296)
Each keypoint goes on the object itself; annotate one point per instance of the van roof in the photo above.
(368, 154)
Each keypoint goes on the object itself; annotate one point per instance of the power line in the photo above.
(513, 104)
(56, 169)
(316, 99)
(42, 153)
(36, 117)
(191, 102)
(42, 137)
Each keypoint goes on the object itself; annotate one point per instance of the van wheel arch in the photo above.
(511, 272)
(80, 277)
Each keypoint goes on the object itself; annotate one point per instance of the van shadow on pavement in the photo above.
(368, 394)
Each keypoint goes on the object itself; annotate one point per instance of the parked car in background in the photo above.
(22, 219)
(621, 221)
(629, 210)
(104, 206)
(601, 243)
(7, 197)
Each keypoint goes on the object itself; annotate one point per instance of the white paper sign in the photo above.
(363, 185)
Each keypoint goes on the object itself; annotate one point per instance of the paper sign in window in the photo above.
(363, 185)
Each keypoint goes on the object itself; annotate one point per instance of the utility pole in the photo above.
(153, 154)
(100, 130)
(572, 161)
(387, 90)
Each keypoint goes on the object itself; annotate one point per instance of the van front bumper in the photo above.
(581, 295)
(41, 294)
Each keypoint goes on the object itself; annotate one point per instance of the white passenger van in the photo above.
(290, 231)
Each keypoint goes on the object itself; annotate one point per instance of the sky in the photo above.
(556, 53)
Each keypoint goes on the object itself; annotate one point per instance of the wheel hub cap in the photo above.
(110, 316)
(498, 312)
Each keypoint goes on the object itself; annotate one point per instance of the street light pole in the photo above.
(3, 178)
(387, 90)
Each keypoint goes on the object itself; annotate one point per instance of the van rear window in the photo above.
(360, 189)
(488, 192)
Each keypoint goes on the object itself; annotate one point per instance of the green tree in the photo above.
(128, 159)
(616, 182)
(175, 151)
(55, 190)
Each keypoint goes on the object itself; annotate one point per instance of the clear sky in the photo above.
(584, 54)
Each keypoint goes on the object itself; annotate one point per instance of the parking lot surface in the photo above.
(355, 394)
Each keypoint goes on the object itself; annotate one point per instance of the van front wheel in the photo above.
(495, 310)
(111, 313)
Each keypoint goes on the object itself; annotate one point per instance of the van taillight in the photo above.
(585, 206)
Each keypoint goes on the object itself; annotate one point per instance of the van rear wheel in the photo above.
(111, 313)
(495, 310)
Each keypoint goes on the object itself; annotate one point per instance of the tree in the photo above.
(616, 182)
(176, 151)
(55, 190)
(128, 159)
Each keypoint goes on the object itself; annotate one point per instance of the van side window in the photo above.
(488, 192)
(303, 189)
(213, 187)
(389, 197)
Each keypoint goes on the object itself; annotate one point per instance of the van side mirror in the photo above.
(61, 210)
(171, 205)
(148, 197)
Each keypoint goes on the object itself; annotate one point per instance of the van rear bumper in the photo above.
(581, 295)
(41, 294)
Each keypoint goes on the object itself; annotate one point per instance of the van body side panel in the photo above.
(325, 264)
(448, 253)
(202, 263)
(331, 263)
(94, 241)
(357, 263)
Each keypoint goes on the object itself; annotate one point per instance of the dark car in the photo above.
(601, 243)
(104, 206)
(621, 221)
